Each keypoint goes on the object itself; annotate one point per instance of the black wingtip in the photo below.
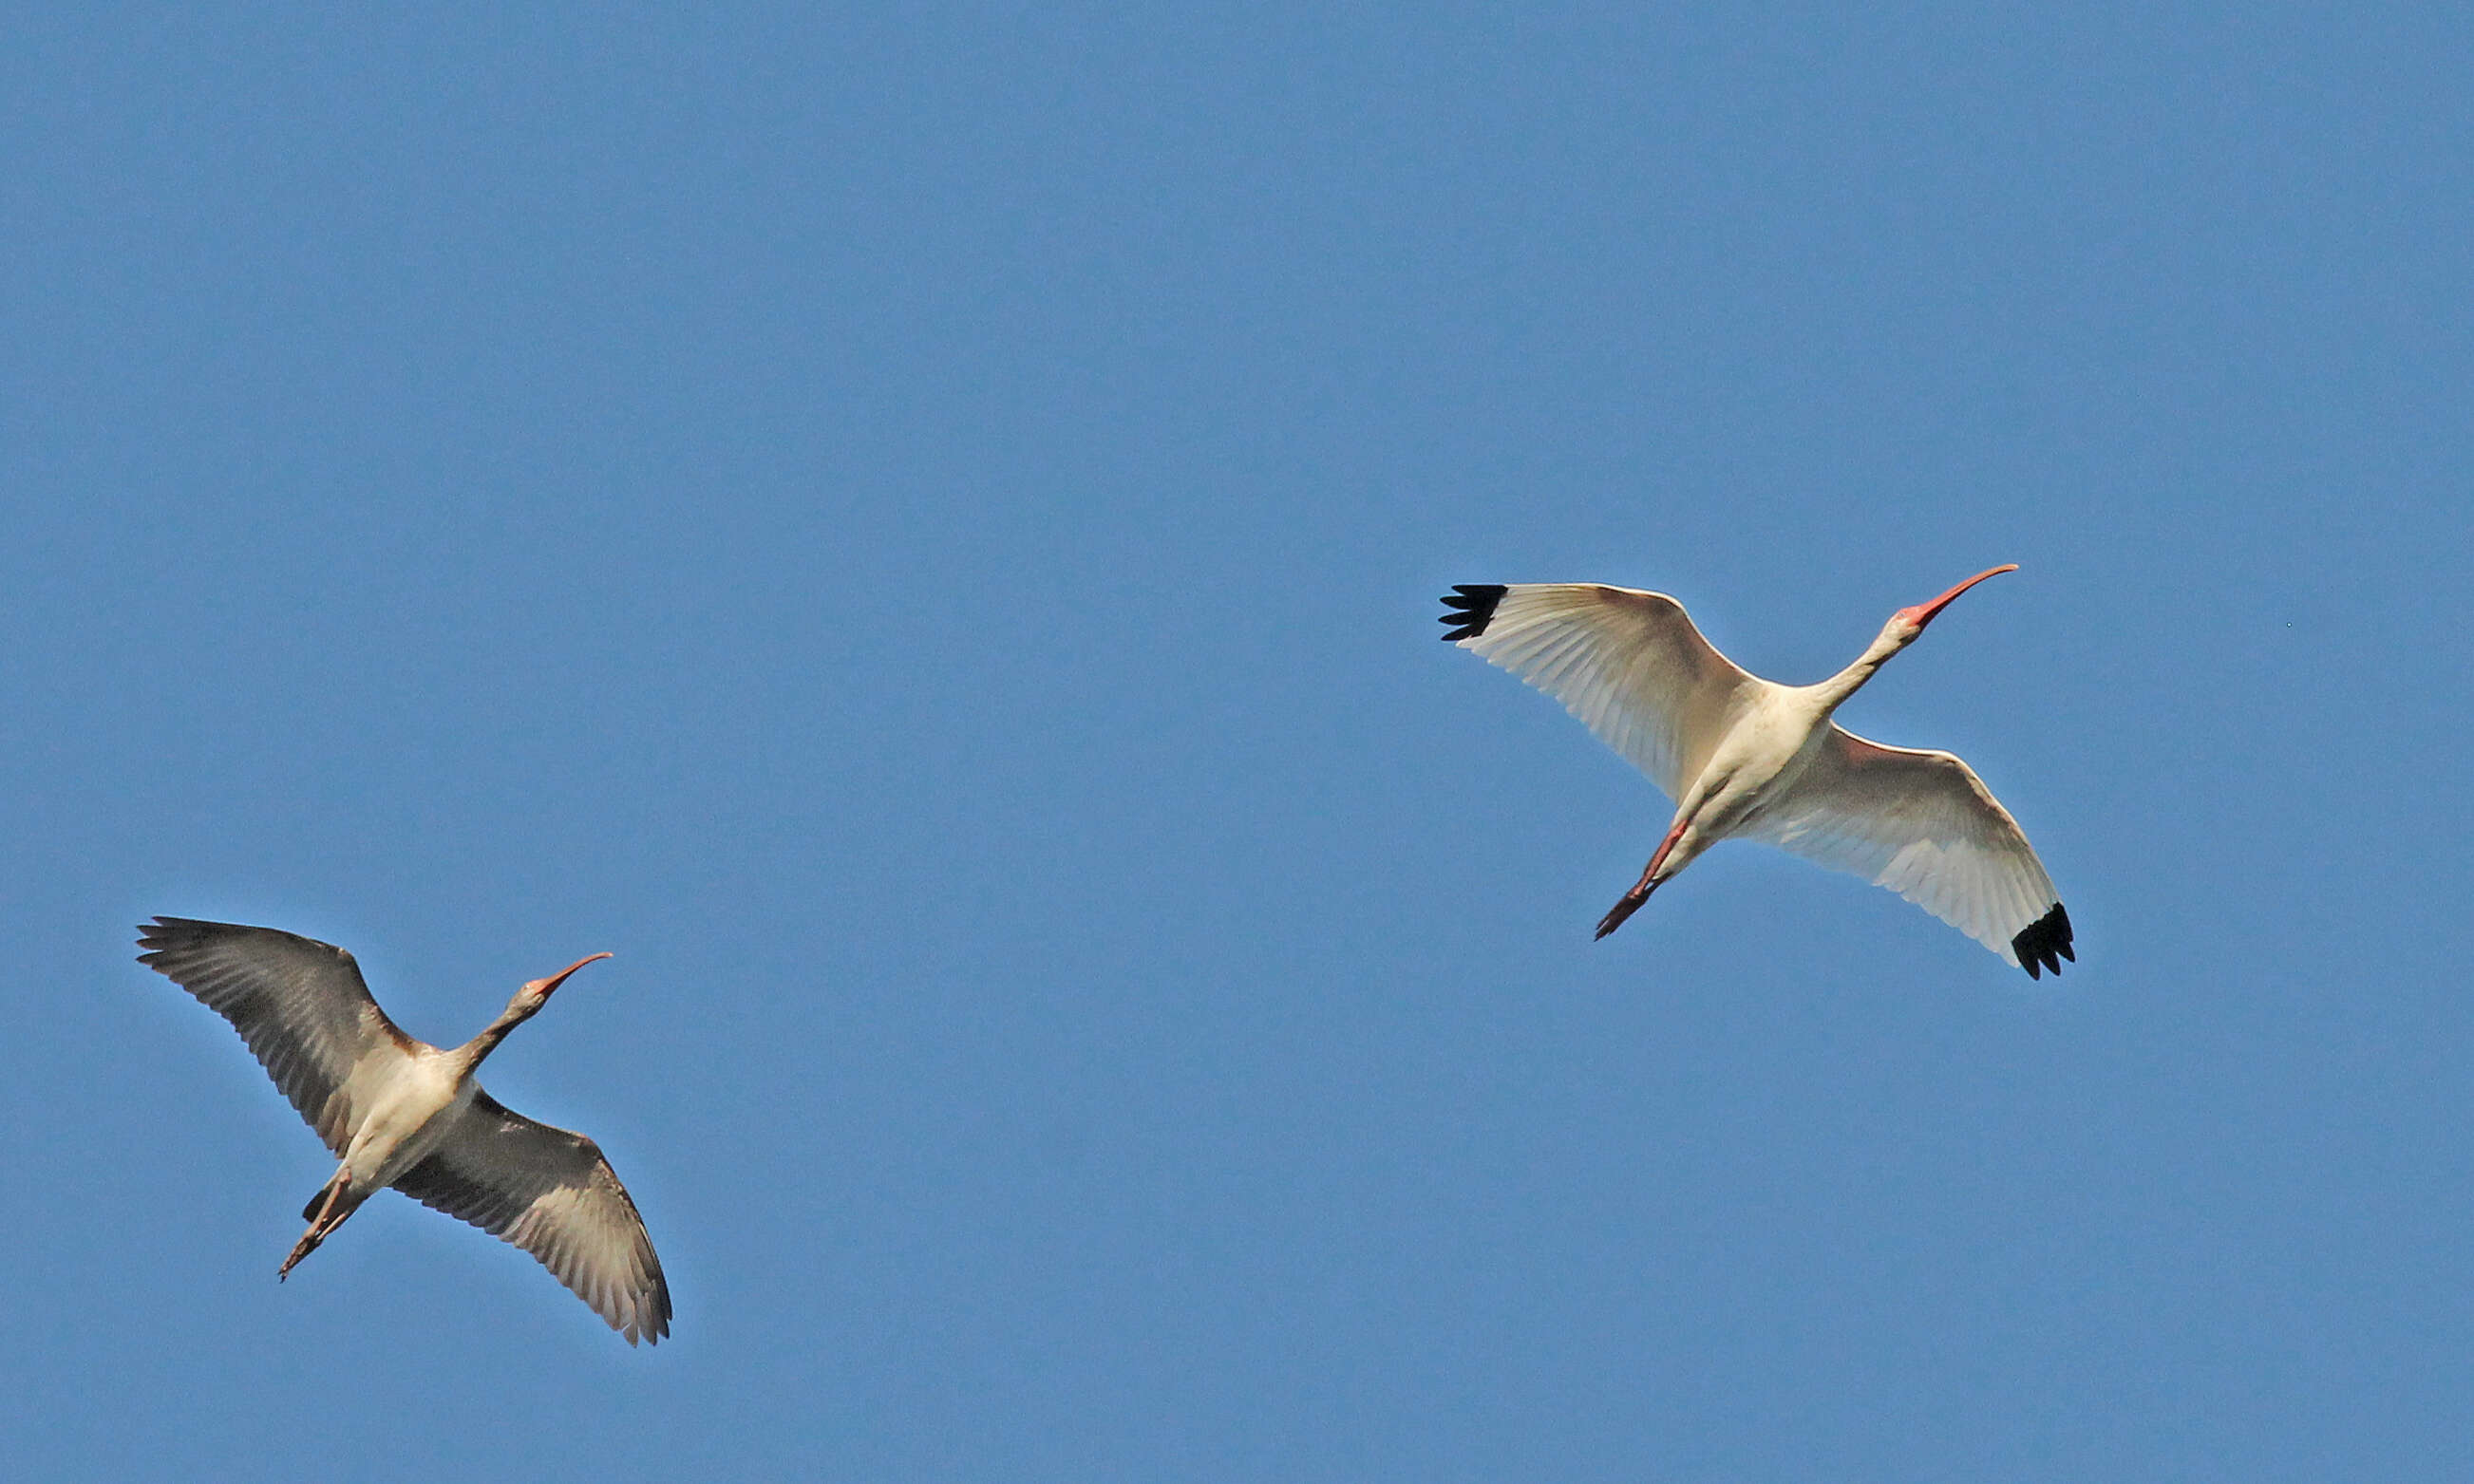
(2042, 944)
(157, 936)
(1472, 609)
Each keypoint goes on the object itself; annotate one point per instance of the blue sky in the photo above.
(919, 533)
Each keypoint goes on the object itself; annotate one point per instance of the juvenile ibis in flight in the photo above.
(402, 1112)
(1745, 756)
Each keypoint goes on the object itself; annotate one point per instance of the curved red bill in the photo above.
(545, 986)
(1923, 613)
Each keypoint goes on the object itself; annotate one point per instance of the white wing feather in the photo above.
(1628, 664)
(1923, 824)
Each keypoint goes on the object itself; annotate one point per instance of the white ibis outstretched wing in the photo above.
(553, 1195)
(1923, 824)
(299, 1003)
(1628, 664)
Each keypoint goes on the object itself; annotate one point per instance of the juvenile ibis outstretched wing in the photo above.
(551, 1193)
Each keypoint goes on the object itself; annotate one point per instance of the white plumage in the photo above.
(1744, 756)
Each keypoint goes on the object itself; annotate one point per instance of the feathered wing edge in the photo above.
(552, 1193)
(1923, 824)
(300, 1005)
(1628, 664)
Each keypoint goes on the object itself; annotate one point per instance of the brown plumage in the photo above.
(402, 1113)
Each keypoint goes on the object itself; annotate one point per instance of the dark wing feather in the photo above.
(299, 1003)
(551, 1193)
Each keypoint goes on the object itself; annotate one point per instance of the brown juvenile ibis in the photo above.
(402, 1112)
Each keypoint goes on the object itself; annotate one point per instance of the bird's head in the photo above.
(1907, 623)
(537, 994)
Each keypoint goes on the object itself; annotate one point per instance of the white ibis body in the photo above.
(1742, 756)
(402, 1112)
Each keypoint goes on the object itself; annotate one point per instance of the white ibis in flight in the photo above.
(1745, 756)
(402, 1112)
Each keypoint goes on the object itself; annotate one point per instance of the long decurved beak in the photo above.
(544, 987)
(1923, 613)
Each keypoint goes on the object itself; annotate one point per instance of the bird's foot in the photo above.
(1621, 910)
(329, 1219)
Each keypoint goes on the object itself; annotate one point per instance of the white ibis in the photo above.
(1745, 756)
(402, 1112)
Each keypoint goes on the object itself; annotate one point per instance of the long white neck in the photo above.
(1893, 638)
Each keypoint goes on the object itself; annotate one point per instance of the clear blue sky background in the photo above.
(918, 529)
